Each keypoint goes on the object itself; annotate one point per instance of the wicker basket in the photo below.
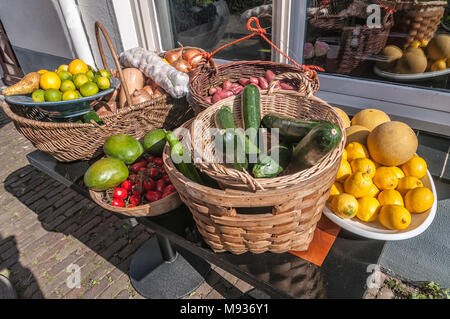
(415, 20)
(160, 207)
(264, 221)
(282, 102)
(207, 76)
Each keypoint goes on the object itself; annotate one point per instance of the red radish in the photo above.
(237, 90)
(216, 98)
(212, 91)
(269, 76)
(263, 84)
(286, 86)
(127, 185)
(208, 99)
(120, 193)
(153, 196)
(225, 93)
(227, 85)
(137, 166)
(117, 203)
(254, 81)
(244, 82)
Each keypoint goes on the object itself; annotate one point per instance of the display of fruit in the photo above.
(105, 174)
(370, 118)
(380, 177)
(123, 147)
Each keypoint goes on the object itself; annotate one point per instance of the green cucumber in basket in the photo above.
(224, 120)
(321, 140)
(290, 129)
(269, 165)
(251, 111)
(230, 138)
(187, 168)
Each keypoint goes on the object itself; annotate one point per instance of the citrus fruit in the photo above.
(90, 74)
(398, 171)
(344, 206)
(438, 65)
(38, 96)
(407, 183)
(357, 133)
(80, 79)
(370, 118)
(373, 191)
(415, 44)
(344, 117)
(42, 71)
(390, 197)
(70, 95)
(50, 80)
(419, 200)
(416, 167)
(52, 95)
(344, 155)
(103, 83)
(368, 208)
(64, 75)
(344, 171)
(89, 89)
(154, 141)
(385, 178)
(358, 184)
(394, 217)
(67, 85)
(77, 66)
(423, 43)
(363, 165)
(105, 73)
(336, 189)
(392, 143)
(356, 150)
(63, 67)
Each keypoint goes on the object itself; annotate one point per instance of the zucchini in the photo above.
(316, 144)
(237, 161)
(272, 164)
(251, 111)
(187, 168)
(224, 120)
(290, 129)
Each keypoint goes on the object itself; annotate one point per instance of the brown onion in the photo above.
(140, 96)
(149, 89)
(173, 55)
(189, 54)
(182, 65)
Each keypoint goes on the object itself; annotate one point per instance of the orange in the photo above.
(385, 178)
(394, 217)
(416, 167)
(344, 206)
(363, 165)
(356, 150)
(407, 183)
(77, 66)
(345, 170)
(368, 208)
(50, 80)
(419, 200)
(390, 197)
(358, 184)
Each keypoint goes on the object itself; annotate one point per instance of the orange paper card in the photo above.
(324, 237)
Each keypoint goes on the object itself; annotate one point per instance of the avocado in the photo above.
(123, 147)
(154, 142)
(105, 174)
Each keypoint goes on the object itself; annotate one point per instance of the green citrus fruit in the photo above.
(70, 95)
(67, 85)
(38, 96)
(80, 79)
(52, 95)
(63, 67)
(89, 89)
(105, 73)
(64, 75)
(103, 83)
(90, 74)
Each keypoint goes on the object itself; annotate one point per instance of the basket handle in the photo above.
(99, 27)
(307, 84)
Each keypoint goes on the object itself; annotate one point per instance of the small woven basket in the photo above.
(264, 221)
(210, 76)
(289, 103)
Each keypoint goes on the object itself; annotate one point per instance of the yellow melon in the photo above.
(392, 143)
(344, 117)
(357, 133)
(370, 118)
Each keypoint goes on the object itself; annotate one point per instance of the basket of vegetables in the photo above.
(239, 221)
(131, 180)
(310, 138)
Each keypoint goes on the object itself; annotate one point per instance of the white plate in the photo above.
(409, 77)
(374, 230)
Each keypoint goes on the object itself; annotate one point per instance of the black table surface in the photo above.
(344, 273)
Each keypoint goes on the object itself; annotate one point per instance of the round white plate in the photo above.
(409, 77)
(374, 230)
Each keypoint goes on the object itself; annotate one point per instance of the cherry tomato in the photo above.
(133, 178)
(155, 173)
(120, 193)
(143, 170)
(117, 203)
(135, 200)
(169, 189)
(153, 196)
(158, 162)
(131, 206)
(127, 185)
(137, 166)
(136, 191)
(149, 185)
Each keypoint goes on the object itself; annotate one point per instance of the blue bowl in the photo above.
(62, 109)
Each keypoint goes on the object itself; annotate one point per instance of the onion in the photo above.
(173, 55)
(140, 96)
(182, 65)
(192, 56)
(148, 89)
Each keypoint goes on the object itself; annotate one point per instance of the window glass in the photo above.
(209, 24)
(402, 42)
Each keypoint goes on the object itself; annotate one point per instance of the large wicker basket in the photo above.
(264, 221)
(208, 76)
(287, 103)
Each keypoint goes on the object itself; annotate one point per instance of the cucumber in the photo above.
(316, 144)
(251, 111)
(232, 157)
(269, 166)
(224, 120)
(290, 129)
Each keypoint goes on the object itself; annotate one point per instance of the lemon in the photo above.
(385, 178)
(344, 155)
(438, 65)
(363, 165)
(419, 200)
(77, 66)
(344, 206)
(52, 95)
(398, 171)
(50, 80)
(423, 43)
(358, 184)
(416, 167)
(356, 150)
(374, 191)
(407, 183)
(390, 197)
(415, 44)
(345, 170)
(38, 96)
(394, 217)
(336, 189)
(368, 208)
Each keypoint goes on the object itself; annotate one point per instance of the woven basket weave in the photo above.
(209, 76)
(287, 103)
(264, 221)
